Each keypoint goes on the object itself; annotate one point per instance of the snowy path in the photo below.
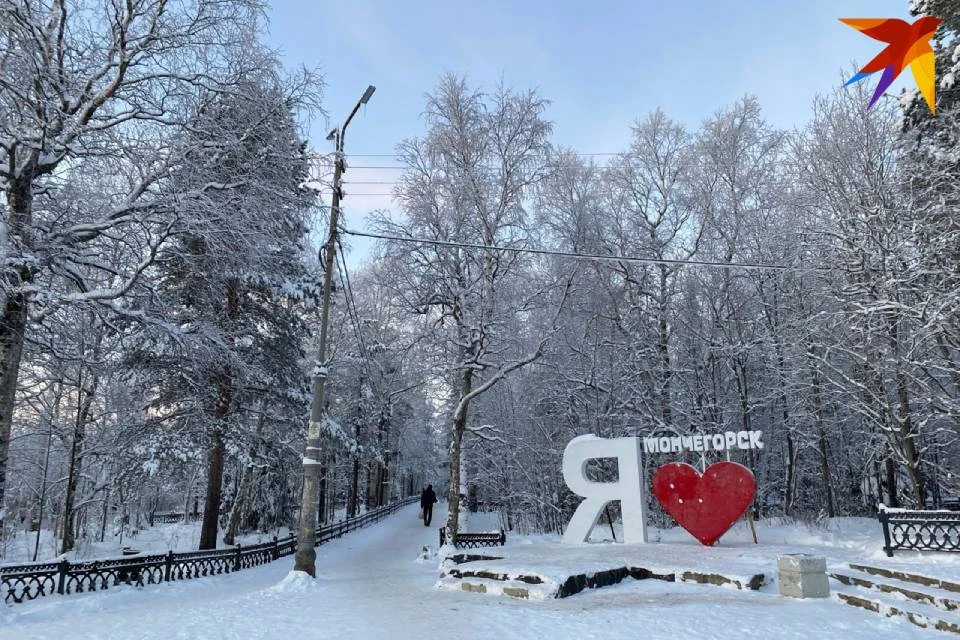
(372, 586)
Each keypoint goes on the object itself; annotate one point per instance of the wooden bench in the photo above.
(919, 530)
(475, 540)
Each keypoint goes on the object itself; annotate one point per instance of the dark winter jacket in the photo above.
(427, 498)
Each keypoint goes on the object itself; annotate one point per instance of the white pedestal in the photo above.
(803, 576)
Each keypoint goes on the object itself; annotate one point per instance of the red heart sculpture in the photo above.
(706, 506)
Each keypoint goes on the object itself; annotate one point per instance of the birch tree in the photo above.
(465, 183)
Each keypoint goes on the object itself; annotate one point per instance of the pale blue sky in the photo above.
(602, 63)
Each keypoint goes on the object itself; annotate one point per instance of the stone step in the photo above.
(903, 576)
(926, 595)
(888, 605)
(490, 581)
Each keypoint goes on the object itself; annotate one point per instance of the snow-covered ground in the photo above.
(672, 551)
(373, 585)
(839, 540)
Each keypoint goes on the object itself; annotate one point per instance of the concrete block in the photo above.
(802, 563)
(803, 576)
(476, 588)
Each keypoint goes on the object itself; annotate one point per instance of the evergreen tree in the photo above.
(928, 130)
(235, 283)
(932, 180)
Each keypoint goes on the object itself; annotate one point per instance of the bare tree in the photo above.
(465, 183)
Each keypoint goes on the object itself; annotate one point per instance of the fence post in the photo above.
(884, 518)
(63, 568)
(168, 566)
(276, 549)
(236, 559)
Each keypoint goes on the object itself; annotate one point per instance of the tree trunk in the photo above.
(247, 474)
(43, 489)
(239, 504)
(188, 495)
(352, 496)
(215, 457)
(354, 486)
(211, 504)
(743, 389)
(73, 477)
(453, 490)
(793, 450)
(790, 491)
(104, 514)
(456, 440)
(84, 403)
(663, 345)
(908, 433)
(908, 440)
(13, 324)
(822, 440)
(891, 482)
(383, 492)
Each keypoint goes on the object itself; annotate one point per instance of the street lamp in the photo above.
(305, 557)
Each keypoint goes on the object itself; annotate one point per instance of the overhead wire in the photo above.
(540, 251)
(579, 154)
(352, 312)
(586, 256)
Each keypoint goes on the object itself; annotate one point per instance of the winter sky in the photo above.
(602, 64)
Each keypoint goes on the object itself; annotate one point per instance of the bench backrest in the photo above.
(475, 540)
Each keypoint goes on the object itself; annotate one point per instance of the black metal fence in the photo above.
(19, 583)
(920, 530)
(173, 517)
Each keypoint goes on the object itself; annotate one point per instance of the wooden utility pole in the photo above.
(305, 557)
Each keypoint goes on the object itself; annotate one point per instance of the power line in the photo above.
(354, 195)
(352, 312)
(578, 154)
(596, 154)
(587, 256)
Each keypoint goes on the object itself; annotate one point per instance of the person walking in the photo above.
(427, 499)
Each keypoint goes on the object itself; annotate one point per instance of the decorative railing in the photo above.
(475, 540)
(173, 517)
(919, 530)
(19, 583)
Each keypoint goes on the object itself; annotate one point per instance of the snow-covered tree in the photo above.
(466, 182)
(233, 280)
(95, 94)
